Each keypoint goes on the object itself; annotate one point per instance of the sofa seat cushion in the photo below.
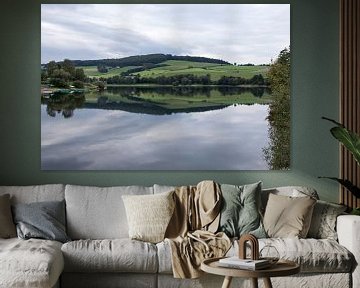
(115, 255)
(313, 255)
(30, 263)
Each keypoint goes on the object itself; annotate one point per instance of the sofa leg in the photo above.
(227, 282)
(254, 282)
(267, 283)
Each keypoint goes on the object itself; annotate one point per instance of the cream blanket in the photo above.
(191, 231)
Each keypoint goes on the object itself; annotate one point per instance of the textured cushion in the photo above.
(313, 255)
(44, 220)
(7, 227)
(323, 222)
(36, 193)
(287, 216)
(117, 255)
(109, 280)
(163, 188)
(149, 215)
(32, 263)
(240, 210)
(98, 213)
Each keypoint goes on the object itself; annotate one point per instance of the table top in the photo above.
(281, 268)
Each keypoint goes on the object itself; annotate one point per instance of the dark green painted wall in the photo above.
(315, 69)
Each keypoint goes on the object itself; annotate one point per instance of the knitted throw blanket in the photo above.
(191, 232)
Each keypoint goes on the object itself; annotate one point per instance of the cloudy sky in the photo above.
(241, 33)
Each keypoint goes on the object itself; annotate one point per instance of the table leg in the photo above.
(254, 282)
(227, 282)
(267, 283)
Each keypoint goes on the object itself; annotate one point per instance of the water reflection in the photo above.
(157, 128)
(157, 100)
(93, 139)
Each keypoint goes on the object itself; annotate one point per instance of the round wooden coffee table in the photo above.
(281, 268)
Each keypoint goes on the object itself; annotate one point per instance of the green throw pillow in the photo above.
(240, 213)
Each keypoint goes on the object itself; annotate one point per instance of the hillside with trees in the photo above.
(140, 60)
(152, 69)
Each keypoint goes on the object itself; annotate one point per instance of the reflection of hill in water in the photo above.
(146, 107)
(155, 100)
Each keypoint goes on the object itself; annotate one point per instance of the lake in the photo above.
(162, 128)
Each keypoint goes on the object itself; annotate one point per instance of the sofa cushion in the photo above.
(287, 216)
(291, 191)
(149, 215)
(43, 220)
(323, 222)
(313, 255)
(7, 226)
(30, 263)
(117, 255)
(240, 210)
(109, 280)
(36, 193)
(98, 213)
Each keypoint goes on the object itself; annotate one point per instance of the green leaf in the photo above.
(347, 184)
(349, 139)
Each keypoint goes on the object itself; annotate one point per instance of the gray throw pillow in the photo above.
(323, 222)
(240, 213)
(7, 226)
(44, 220)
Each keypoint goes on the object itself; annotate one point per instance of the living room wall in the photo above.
(314, 91)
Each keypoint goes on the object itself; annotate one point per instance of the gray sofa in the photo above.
(101, 254)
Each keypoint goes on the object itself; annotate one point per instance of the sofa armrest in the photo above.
(348, 230)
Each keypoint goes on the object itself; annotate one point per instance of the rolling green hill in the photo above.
(180, 67)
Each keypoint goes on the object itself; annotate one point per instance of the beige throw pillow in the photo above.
(288, 217)
(7, 226)
(149, 215)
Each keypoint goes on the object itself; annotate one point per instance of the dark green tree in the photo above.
(68, 66)
(277, 154)
(50, 67)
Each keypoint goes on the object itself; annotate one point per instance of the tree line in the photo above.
(186, 79)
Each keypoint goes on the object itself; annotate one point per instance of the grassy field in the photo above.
(177, 67)
(92, 71)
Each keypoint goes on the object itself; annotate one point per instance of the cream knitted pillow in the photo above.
(149, 215)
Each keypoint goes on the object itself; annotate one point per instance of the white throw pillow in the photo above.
(149, 215)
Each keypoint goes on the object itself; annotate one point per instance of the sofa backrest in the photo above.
(36, 193)
(98, 212)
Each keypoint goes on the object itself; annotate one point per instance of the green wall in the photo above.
(315, 69)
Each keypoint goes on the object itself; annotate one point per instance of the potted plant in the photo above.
(351, 141)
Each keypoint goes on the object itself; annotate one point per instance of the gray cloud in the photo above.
(236, 33)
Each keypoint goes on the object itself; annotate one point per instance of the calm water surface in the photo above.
(229, 138)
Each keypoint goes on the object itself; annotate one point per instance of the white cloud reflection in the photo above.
(226, 139)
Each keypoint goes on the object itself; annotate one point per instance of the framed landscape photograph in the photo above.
(165, 86)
